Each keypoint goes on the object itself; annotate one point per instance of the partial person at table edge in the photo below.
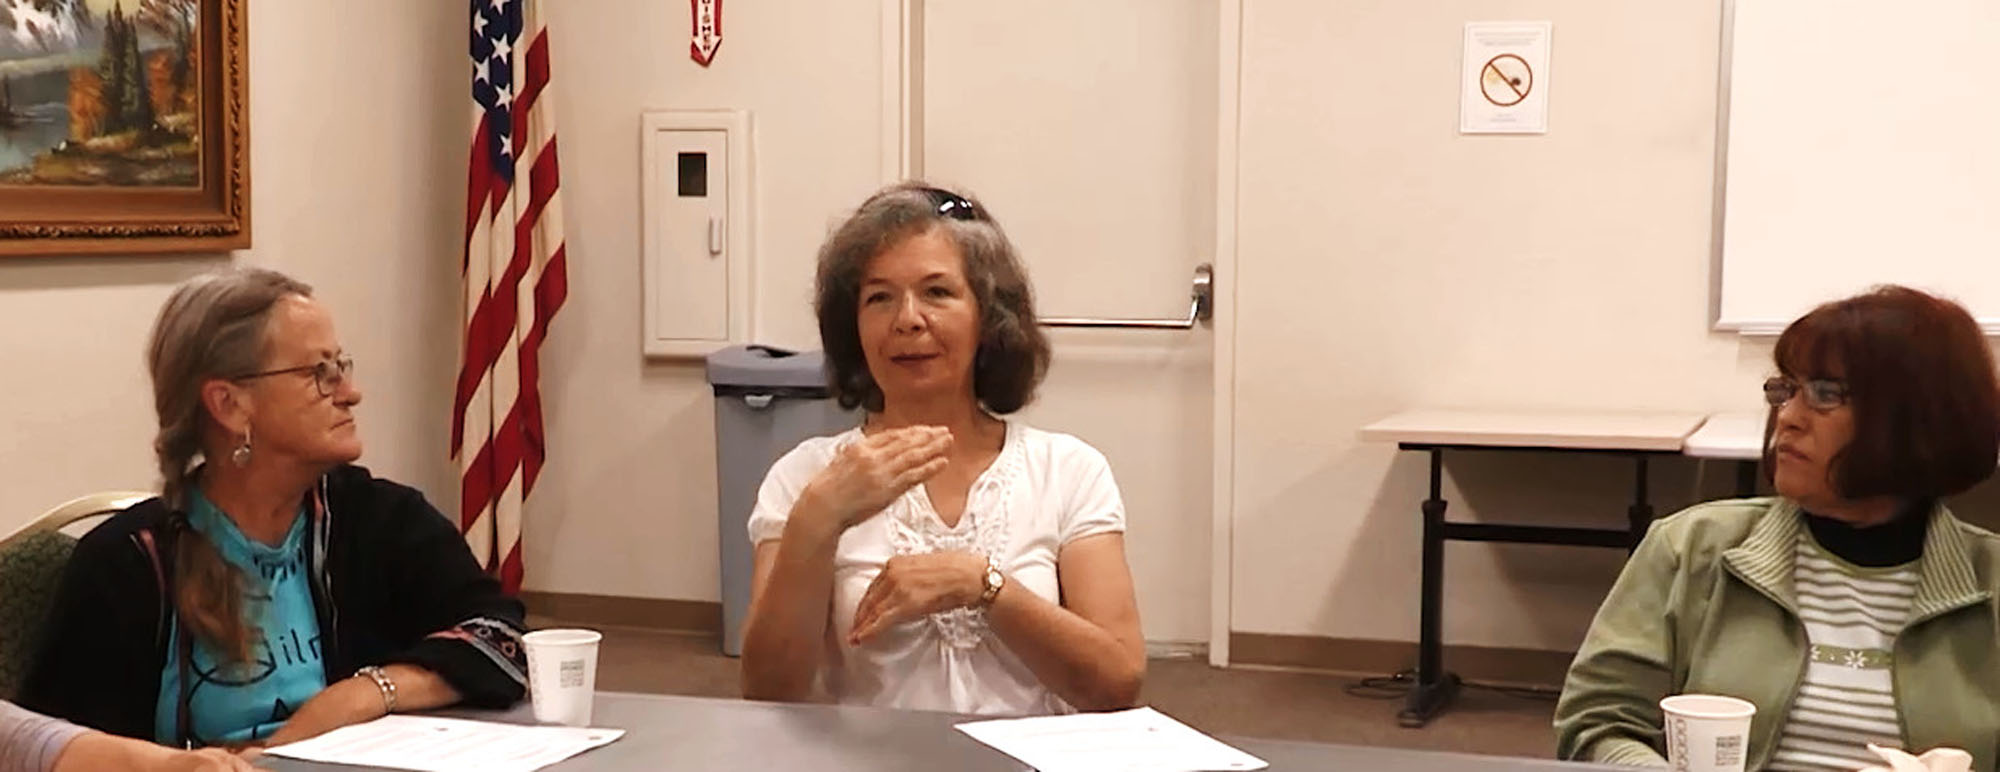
(940, 556)
(35, 743)
(1851, 608)
(274, 590)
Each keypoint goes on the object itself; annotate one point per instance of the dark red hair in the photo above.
(1920, 381)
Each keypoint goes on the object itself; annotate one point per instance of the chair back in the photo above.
(31, 567)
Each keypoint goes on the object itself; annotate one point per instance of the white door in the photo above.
(1089, 130)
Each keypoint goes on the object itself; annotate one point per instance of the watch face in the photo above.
(994, 579)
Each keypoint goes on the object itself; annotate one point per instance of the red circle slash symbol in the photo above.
(1506, 80)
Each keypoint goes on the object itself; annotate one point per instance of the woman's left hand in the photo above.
(911, 586)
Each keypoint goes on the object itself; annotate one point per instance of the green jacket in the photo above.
(1706, 606)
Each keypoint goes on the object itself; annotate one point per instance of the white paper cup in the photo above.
(1707, 733)
(562, 674)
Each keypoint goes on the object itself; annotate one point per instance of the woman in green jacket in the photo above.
(1852, 608)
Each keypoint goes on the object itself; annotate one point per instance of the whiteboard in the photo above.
(1862, 147)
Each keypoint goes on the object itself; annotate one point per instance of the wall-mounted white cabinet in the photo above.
(698, 255)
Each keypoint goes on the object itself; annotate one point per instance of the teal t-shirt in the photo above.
(245, 702)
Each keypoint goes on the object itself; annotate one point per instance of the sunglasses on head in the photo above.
(952, 205)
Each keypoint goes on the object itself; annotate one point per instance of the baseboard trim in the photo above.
(1347, 656)
(1361, 656)
(1176, 650)
(681, 616)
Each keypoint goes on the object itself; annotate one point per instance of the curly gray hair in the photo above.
(1013, 353)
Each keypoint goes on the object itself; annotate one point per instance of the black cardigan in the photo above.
(402, 585)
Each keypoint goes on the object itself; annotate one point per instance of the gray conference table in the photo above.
(673, 733)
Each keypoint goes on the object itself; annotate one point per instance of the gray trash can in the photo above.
(767, 400)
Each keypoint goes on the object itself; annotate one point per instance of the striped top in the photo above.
(1847, 698)
(29, 742)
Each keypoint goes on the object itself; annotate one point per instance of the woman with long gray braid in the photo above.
(288, 591)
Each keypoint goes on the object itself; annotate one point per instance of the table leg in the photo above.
(1746, 479)
(1435, 686)
(1640, 515)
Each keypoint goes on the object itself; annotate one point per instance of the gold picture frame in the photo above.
(124, 126)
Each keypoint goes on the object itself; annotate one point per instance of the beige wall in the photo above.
(627, 503)
(358, 165)
(1372, 279)
(357, 172)
(1387, 262)
(1106, 184)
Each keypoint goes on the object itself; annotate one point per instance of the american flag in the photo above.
(514, 279)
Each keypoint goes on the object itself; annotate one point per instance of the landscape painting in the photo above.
(122, 120)
(93, 93)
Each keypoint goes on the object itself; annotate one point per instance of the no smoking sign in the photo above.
(1504, 89)
(1506, 80)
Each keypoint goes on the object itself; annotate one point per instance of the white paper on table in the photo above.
(432, 744)
(1130, 741)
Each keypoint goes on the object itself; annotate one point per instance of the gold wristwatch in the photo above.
(994, 581)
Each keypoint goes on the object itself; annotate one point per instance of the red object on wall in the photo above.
(707, 32)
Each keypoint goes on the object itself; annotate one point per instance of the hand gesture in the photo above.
(865, 476)
(912, 586)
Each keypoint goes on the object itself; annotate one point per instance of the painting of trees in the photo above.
(127, 98)
(123, 126)
(177, 22)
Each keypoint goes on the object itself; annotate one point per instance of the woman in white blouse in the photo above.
(938, 557)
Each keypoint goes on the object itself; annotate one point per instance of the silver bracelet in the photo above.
(383, 683)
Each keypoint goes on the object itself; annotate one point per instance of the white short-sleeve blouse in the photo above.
(1043, 491)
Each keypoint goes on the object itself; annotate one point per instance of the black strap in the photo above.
(183, 714)
(182, 645)
(152, 550)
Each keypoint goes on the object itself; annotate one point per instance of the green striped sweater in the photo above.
(1846, 699)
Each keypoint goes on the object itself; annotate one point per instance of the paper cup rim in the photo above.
(562, 636)
(1718, 706)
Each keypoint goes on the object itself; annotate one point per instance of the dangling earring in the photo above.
(241, 456)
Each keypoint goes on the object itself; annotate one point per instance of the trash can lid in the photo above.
(766, 366)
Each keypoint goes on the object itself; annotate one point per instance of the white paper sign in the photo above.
(1505, 84)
